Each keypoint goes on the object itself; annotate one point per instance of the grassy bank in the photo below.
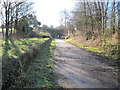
(111, 58)
(13, 49)
(40, 73)
(87, 48)
(16, 57)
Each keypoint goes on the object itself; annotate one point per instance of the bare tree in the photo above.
(7, 6)
(12, 12)
(2, 22)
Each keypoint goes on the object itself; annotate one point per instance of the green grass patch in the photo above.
(87, 48)
(13, 49)
(107, 51)
(40, 73)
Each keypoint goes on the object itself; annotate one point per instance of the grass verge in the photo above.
(108, 58)
(40, 74)
(84, 46)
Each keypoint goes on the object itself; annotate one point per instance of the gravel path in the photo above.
(77, 68)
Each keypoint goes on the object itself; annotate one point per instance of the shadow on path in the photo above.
(77, 68)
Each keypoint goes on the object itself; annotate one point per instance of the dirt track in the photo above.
(77, 68)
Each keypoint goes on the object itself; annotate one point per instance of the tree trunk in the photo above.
(11, 24)
(85, 17)
(3, 31)
(7, 24)
(118, 9)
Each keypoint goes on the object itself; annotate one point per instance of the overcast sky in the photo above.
(48, 11)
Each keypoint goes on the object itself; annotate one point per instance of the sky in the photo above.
(48, 11)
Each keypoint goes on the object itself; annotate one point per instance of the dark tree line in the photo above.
(15, 15)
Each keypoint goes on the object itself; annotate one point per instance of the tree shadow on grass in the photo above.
(5, 65)
(16, 48)
(10, 48)
(10, 65)
(5, 50)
